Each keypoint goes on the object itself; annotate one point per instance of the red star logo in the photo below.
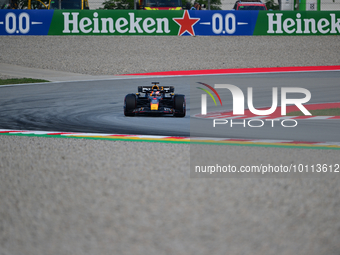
(186, 23)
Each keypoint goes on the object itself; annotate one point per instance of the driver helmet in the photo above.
(155, 87)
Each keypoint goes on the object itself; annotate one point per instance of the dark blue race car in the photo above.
(155, 100)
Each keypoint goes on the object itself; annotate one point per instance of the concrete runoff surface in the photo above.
(69, 196)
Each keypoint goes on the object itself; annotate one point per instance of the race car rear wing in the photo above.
(148, 89)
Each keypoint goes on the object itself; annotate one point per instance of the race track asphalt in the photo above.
(97, 106)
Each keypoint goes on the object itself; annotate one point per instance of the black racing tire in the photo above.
(179, 106)
(130, 103)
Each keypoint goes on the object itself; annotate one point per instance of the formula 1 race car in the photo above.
(157, 100)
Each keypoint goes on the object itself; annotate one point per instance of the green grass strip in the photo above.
(320, 112)
(179, 141)
(20, 81)
(95, 138)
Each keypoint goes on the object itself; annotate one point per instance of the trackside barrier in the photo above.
(163, 23)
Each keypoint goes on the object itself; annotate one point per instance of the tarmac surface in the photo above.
(97, 107)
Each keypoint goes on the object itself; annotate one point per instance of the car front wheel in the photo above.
(179, 106)
(130, 105)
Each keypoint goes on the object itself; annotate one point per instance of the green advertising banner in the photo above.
(298, 23)
(118, 22)
(165, 22)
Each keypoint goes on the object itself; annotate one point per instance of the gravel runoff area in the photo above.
(75, 196)
(98, 55)
(8, 76)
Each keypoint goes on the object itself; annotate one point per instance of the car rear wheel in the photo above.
(179, 105)
(130, 105)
